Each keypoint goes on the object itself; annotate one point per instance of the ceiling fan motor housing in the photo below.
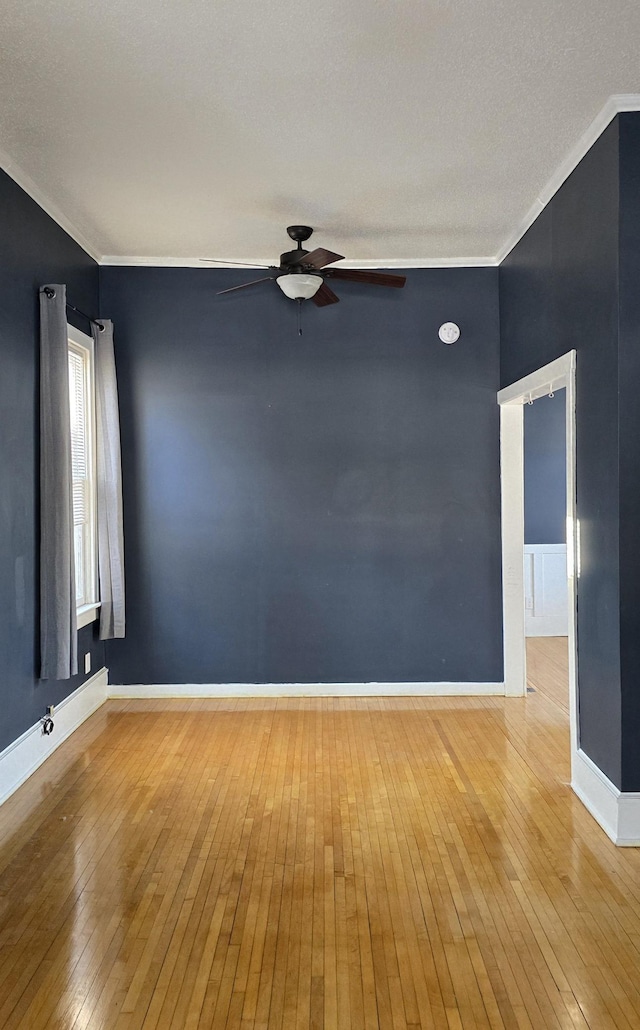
(299, 233)
(291, 258)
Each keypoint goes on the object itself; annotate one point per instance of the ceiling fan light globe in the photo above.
(299, 285)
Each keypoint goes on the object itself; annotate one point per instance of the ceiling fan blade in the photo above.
(357, 275)
(320, 257)
(242, 286)
(224, 261)
(324, 296)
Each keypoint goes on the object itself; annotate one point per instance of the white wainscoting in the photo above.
(545, 590)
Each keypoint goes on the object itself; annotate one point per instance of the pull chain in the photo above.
(299, 317)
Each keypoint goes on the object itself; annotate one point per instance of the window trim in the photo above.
(86, 614)
(80, 342)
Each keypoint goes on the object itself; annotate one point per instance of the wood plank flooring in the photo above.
(376, 863)
(548, 668)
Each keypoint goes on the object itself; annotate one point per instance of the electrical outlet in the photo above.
(87, 662)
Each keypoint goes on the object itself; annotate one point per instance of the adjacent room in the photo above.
(320, 479)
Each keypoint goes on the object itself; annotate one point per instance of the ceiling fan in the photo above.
(302, 274)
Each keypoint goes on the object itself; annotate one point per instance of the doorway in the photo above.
(545, 548)
(558, 375)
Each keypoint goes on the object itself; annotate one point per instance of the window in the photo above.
(83, 465)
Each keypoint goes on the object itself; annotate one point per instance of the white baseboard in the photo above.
(156, 690)
(618, 814)
(30, 750)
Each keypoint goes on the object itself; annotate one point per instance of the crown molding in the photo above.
(616, 104)
(26, 183)
(378, 263)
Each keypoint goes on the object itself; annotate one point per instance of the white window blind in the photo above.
(82, 466)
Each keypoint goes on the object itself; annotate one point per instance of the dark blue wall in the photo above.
(315, 509)
(545, 470)
(559, 290)
(33, 251)
(629, 444)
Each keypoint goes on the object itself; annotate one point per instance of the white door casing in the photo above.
(557, 375)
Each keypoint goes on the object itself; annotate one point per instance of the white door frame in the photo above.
(557, 375)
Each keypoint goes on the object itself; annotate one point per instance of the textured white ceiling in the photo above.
(404, 131)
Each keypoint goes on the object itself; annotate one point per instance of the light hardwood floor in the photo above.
(394, 863)
(548, 668)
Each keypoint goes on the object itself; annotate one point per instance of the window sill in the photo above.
(88, 613)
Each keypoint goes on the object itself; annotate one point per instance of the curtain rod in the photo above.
(51, 294)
